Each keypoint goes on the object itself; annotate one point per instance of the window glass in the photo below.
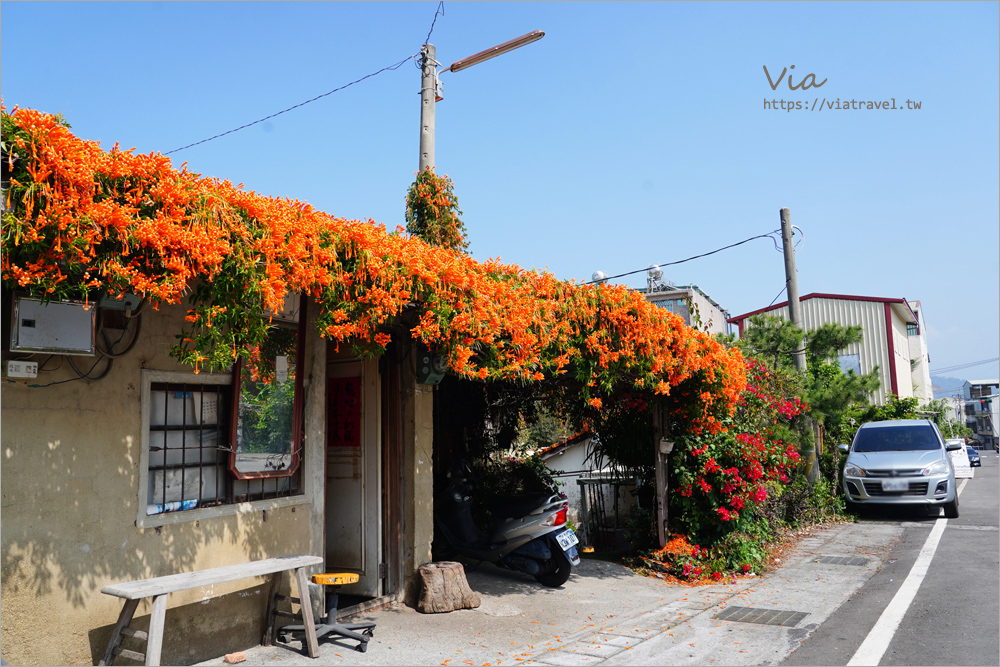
(187, 463)
(266, 424)
(850, 362)
(896, 439)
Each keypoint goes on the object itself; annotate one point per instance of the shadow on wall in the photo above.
(71, 530)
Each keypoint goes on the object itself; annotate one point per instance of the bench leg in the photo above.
(268, 638)
(156, 622)
(307, 613)
(124, 619)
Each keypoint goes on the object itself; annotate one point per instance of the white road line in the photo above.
(875, 644)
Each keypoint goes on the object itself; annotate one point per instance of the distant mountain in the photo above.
(946, 387)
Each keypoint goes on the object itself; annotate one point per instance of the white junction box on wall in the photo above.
(22, 369)
(58, 327)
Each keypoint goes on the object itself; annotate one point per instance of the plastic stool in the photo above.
(362, 632)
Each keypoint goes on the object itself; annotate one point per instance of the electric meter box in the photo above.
(57, 327)
(289, 311)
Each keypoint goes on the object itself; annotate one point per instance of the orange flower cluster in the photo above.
(81, 218)
(432, 211)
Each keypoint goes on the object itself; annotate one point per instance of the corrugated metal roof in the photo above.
(898, 304)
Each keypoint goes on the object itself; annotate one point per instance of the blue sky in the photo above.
(633, 133)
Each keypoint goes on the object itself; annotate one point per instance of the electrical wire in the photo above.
(86, 376)
(41, 386)
(43, 369)
(438, 12)
(241, 127)
(108, 350)
(777, 297)
(794, 245)
(958, 367)
(769, 235)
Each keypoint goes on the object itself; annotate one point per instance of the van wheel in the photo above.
(558, 576)
(951, 509)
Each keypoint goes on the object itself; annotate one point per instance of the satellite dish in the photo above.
(599, 277)
(654, 272)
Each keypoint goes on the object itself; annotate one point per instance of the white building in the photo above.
(888, 326)
(920, 360)
(982, 405)
(696, 308)
(600, 502)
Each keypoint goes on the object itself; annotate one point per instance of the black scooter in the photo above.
(529, 532)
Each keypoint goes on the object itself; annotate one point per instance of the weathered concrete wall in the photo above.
(70, 495)
(418, 474)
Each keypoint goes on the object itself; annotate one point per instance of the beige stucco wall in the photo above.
(70, 494)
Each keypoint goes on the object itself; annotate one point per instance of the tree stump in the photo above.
(445, 588)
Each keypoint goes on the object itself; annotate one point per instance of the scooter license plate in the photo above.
(567, 540)
(895, 485)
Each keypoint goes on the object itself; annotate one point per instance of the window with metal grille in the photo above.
(189, 444)
(912, 329)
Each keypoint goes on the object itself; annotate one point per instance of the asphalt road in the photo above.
(954, 617)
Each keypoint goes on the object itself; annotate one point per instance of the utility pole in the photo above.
(792, 282)
(428, 97)
(429, 87)
(795, 315)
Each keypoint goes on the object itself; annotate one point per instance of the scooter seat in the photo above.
(507, 507)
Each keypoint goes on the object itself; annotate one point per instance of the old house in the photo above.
(121, 463)
(170, 404)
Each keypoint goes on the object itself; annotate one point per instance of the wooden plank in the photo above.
(307, 613)
(138, 634)
(124, 618)
(157, 620)
(172, 583)
(131, 655)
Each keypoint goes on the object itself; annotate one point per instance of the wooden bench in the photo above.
(159, 587)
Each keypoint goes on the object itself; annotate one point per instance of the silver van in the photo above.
(900, 462)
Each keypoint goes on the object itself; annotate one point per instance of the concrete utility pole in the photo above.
(795, 315)
(428, 96)
(429, 87)
(792, 282)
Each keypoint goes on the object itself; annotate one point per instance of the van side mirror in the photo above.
(952, 446)
(843, 448)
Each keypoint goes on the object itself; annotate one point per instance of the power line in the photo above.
(769, 235)
(438, 12)
(970, 364)
(241, 127)
(777, 297)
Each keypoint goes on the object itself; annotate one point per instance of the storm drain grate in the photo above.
(842, 560)
(788, 619)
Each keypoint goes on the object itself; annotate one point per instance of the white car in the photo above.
(901, 462)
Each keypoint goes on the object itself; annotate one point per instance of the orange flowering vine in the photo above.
(82, 219)
(432, 211)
